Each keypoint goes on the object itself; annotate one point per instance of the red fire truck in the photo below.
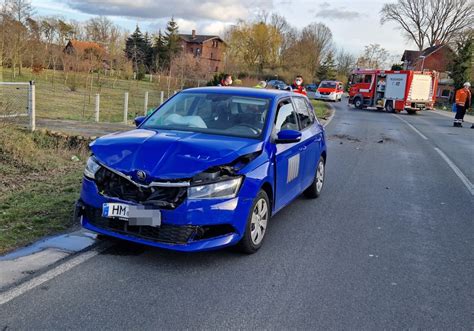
(393, 90)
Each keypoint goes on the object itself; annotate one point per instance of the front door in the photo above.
(289, 157)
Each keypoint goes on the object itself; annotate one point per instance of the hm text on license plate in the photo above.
(118, 210)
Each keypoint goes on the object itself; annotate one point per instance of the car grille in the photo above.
(166, 233)
(113, 185)
(324, 93)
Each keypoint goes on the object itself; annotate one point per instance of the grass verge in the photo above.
(321, 108)
(39, 183)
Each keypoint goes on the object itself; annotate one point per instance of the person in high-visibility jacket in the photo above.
(261, 84)
(463, 102)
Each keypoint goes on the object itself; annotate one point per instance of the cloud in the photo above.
(337, 14)
(206, 27)
(221, 10)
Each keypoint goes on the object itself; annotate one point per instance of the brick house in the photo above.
(209, 50)
(85, 56)
(83, 48)
(437, 58)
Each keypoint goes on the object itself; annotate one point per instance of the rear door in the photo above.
(289, 160)
(311, 135)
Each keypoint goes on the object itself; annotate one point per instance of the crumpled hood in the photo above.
(169, 155)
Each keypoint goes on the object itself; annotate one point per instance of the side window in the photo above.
(311, 110)
(368, 79)
(286, 117)
(303, 114)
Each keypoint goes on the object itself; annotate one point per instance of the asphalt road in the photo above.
(388, 245)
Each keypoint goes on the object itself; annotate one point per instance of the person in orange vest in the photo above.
(463, 102)
(297, 86)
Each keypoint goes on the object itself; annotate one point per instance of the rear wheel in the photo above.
(257, 223)
(358, 103)
(389, 107)
(314, 190)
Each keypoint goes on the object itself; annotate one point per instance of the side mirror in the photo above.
(288, 137)
(139, 120)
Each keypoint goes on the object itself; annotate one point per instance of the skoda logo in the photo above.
(141, 175)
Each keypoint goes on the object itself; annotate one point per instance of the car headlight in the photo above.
(222, 190)
(91, 168)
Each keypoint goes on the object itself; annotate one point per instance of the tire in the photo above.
(257, 223)
(389, 107)
(358, 103)
(316, 187)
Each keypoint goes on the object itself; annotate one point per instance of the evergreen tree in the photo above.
(136, 50)
(172, 41)
(148, 49)
(327, 69)
(461, 65)
(159, 51)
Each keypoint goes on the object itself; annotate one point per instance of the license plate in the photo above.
(118, 210)
(135, 215)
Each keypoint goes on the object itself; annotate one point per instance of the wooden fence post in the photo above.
(145, 107)
(97, 107)
(125, 108)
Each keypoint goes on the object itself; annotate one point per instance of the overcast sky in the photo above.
(354, 23)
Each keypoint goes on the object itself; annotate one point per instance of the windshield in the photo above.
(328, 85)
(214, 113)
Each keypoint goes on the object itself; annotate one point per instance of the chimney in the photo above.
(194, 34)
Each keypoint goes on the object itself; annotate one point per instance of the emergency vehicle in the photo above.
(329, 90)
(393, 90)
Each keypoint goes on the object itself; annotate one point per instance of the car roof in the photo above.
(242, 91)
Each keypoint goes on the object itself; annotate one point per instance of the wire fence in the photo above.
(15, 103)
(72, 96)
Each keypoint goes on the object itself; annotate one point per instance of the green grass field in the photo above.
(38, 186)
(72, 96)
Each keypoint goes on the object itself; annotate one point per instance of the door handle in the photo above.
(302, 148)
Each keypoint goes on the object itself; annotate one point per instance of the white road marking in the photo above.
(412, 127)
(60, 269)
(456, 170)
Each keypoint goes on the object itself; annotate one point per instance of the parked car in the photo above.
(277, 84)
(207, 169)
(311, 90)
(330, 90)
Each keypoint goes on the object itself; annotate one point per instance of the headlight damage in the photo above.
(221, 182)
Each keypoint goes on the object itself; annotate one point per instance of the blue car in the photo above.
(205, 170)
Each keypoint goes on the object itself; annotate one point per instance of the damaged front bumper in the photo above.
(192, 225)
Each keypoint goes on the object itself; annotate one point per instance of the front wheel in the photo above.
(358, 103)
(314, 190)
(257, 222)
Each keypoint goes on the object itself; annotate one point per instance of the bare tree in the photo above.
(374, 57)
(3, 23)
(316, 43)
(426, 22)
(20, 11)
(345, 63)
